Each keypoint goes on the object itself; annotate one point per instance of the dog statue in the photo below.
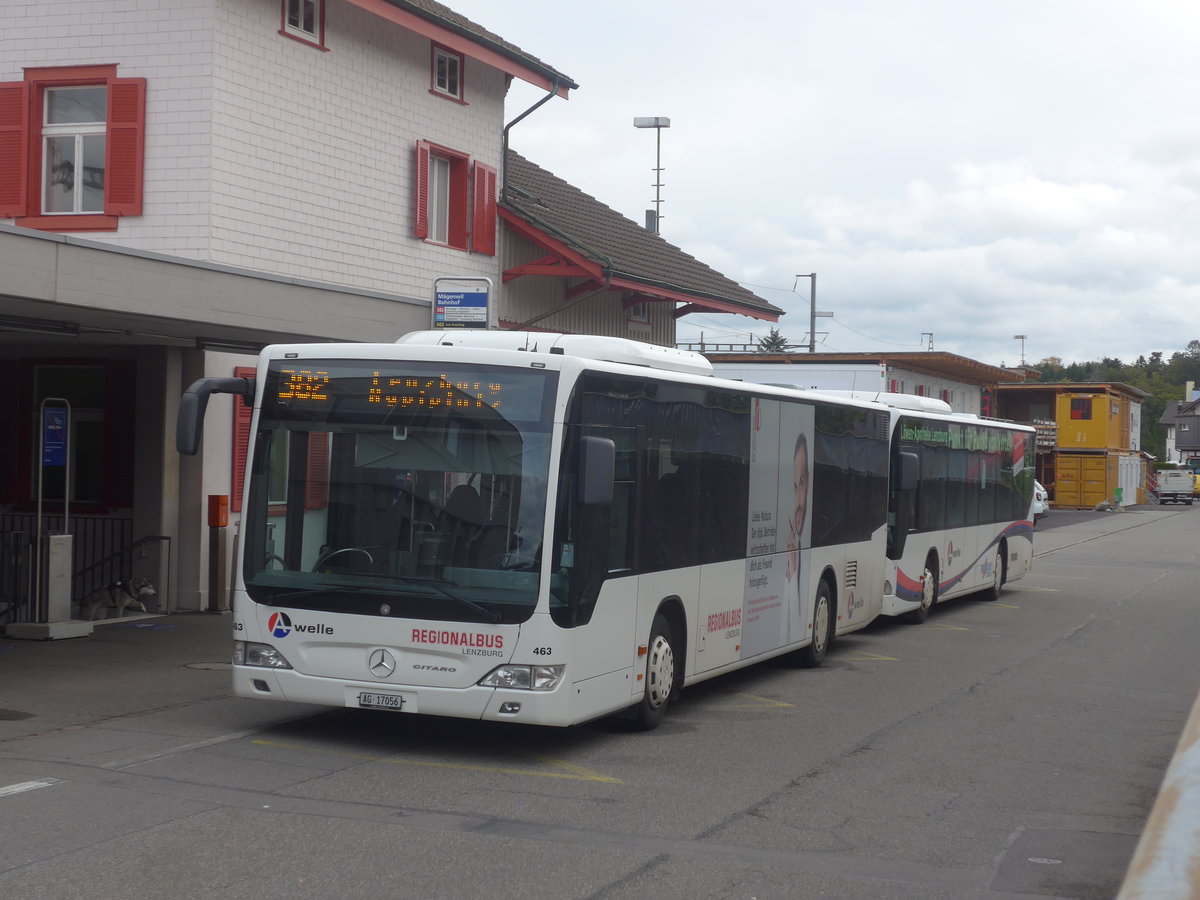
(122, 595)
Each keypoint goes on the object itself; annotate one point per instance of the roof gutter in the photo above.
(508, 128)
(478, 36)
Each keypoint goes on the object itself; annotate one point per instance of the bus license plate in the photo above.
(394, 702)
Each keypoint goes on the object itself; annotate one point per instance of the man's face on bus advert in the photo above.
(799, 487)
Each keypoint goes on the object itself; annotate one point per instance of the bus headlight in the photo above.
(524, 678)
(248, 653)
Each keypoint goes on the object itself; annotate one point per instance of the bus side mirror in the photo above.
(189, 426)
(597, 467)
(910, 469)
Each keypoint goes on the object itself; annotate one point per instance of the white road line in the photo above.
(173, 751)
(28, 786)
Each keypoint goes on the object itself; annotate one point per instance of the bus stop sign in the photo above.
(460, 309)
(54, 436)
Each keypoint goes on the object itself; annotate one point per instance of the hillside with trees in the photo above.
(1163, 379)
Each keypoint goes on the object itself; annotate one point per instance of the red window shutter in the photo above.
(316, 480)
(483, 211)
(242, 413)
(14, 148)
(421, 212)
(893, 386)
(126, 145)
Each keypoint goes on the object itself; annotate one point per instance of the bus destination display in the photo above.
(328, 384)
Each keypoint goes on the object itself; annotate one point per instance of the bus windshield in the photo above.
(399, 489)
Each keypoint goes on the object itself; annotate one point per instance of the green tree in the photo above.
(774, 342)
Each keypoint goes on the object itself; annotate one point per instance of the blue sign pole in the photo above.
(54, 454)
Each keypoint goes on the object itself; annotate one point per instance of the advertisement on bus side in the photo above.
(776, 602)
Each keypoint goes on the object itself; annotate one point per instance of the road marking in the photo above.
(864, 655)
(1097, 537)
(28, 786)
(1040, 590)
(760, 702)
(585, 774)
(183, 748)
(950, 627)
(1006, 605)
(572, 773)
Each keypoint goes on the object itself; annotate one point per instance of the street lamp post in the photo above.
(658, 123)
(813, 313)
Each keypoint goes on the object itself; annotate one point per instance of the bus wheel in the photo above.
(660, 676)
(993, 592)
(814, 654)
(929, 584)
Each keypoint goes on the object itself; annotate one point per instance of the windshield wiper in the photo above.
(296, 595)
(437, 584)
(489, 615)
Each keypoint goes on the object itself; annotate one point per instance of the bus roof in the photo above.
(587, 346)
(898, 401)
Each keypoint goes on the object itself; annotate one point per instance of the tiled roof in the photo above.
(448, 18)
(620, 246)
(1179, 409)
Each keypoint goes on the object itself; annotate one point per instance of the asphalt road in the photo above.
(1001, 750)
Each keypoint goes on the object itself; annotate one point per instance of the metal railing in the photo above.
(16, 576)
(95, 537)
(103, 552)
(121, 565)
(717, 347)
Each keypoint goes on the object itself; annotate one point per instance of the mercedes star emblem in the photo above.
(381, 663)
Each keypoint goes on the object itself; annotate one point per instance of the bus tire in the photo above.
(993, 592)
(929, 586)
(813, 655)
(660, 676)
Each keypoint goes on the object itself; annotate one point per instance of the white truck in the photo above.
(1175, 486)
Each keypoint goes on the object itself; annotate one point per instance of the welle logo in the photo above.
(280, 626)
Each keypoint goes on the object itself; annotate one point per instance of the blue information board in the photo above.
(54, 436)
(460, 309)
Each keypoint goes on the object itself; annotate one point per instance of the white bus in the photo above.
(548, 529)
(964, 523)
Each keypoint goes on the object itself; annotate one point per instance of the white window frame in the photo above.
(439, 199)
(79, 131)
(297, 9)
(441, 83)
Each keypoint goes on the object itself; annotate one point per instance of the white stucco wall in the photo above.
(167, 42)
(313, 151)
(263, 152)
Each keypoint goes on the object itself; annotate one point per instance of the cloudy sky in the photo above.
(971, 170)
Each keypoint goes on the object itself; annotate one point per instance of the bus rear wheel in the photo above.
(660, 676)
(813, 655)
